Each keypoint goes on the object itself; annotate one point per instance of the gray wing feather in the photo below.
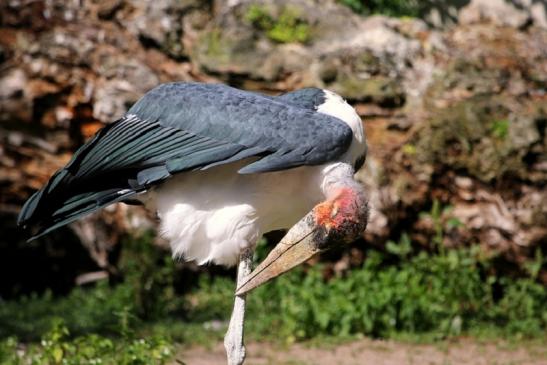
(286, 129)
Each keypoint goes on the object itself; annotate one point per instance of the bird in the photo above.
(221, 167)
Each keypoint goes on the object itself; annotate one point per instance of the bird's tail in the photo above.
(62, 201)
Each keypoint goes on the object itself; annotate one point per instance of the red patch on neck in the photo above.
(333, 212)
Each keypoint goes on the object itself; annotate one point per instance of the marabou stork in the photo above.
(222, 166)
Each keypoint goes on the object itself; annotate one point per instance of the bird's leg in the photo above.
(233, 340)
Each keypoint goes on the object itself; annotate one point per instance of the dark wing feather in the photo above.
(284, 127)
(186, 126)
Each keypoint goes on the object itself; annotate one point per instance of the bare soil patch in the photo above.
(379, 352)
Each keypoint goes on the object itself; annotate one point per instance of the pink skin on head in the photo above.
(333, 212)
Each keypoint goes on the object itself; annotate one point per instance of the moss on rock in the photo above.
(362, 76)
(287, 27)
(380, 89)
(481, 136)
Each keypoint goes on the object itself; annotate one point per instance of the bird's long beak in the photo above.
(300, 243)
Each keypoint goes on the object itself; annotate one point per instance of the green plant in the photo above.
(441, 220)
(401, 249)
(84, 310)
(439, 294)
(150, 273)
(147, 292)
(8, 352)
(57, 347)
(287, 28)
(399, 292)
(500, 128)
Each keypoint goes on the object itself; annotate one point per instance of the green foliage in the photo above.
(146, 293)
(442, 295)
(402, 291)
(56, 347)
(8, 352)
(289, 27)
(107, 320)
(500, 128)
(101, 309)
(401, 249)
(149, 272)
(440, 217)
(385, 7)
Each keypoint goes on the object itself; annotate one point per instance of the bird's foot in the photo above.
(233, 340)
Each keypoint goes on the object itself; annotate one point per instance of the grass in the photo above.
(401, 293)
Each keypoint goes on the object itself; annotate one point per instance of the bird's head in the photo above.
(336, 221)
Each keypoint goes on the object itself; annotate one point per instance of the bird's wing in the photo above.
(179, 127)
(287, 133)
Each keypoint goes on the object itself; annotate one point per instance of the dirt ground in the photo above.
(378, 352)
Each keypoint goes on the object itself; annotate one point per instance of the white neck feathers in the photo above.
(337, 107)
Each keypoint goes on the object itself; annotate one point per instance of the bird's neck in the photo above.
(337, 176)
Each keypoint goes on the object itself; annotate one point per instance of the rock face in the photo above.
(296, 43)
(456, 118)
(515, 13)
